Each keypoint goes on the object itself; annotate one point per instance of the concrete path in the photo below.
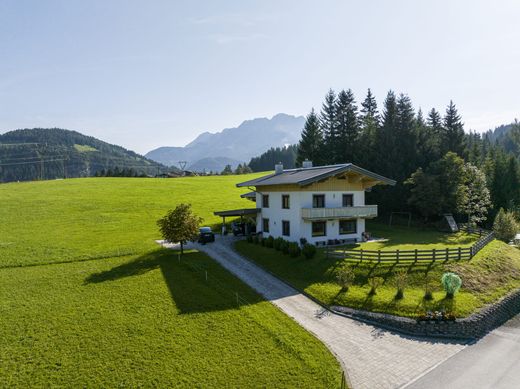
(492, 363)
(373, 358)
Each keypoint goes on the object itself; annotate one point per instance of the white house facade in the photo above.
(320, 205)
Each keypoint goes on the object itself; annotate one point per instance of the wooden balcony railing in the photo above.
(366, 211)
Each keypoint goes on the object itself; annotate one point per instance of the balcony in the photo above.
(366, 211)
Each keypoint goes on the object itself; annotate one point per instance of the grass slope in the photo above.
(54, 221)
(133, 315)
(149, 321)
(491, 274)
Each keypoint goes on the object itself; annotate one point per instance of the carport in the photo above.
(243, 212)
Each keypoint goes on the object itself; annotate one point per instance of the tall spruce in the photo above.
(369, 127)
(329, 124)
(311, 145)
(348, 128)
(453, 134)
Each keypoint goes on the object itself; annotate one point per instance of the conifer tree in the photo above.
(453, 135)
(348, 128)
(369, 127)
(311, 145)
(328, 123)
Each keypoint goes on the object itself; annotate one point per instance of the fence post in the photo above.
(447, 254)
(416, 256)
(433, 252)
(379, 256)
(460, 253)
(397, 252)
(361, 255)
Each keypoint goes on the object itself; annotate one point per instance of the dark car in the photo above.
(206, 235)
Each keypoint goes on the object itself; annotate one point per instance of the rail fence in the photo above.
(448, 254)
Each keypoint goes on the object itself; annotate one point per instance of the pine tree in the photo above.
(328, 123)
(311, 145)
(348, 128)
(453, 135)
(369, 128)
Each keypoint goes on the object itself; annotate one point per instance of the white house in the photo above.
(322, 204)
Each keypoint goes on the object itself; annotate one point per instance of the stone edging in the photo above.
(472, 327)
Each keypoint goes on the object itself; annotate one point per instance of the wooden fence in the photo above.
(448, 254)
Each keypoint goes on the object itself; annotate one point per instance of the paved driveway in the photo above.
(492, 363)
(373, 358)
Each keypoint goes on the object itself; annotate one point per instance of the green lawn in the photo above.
(133, 315)
(494, 272)
(65, 220)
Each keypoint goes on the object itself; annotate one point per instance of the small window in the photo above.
(265, 225)
(348, 200)
(286, 228)
(347, 227)
(318, 201)
(319, 228)
(265, 201)
(285, 202)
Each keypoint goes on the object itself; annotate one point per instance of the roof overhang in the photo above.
(238, 212)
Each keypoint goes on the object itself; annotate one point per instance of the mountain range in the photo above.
(213, 151)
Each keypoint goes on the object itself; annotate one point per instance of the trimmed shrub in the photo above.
(294, 249)
(309, 250)
(375, 282)
(505, 226)
(256, 239)
(277, 244)
(250, 239)
(401, 278)
(269, 241)
(284, 247)
(451, 283)
(345, 277)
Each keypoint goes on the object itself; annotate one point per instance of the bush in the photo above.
(294, 249)
(250, 239)
(374, 282)
(269, 242)
(256, 239)
(284, 247)
(505, 226)
(261, 240)
(309, 250)
(277, 244)
(401, 277)
(345, 277)
(451, 283)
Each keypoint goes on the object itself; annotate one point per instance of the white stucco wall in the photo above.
(300, 228)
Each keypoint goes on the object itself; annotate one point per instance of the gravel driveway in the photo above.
(372, 357)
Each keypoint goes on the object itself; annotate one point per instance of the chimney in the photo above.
(278, 168)
(306, 164)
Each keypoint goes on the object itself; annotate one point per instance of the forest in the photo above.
(439, 168)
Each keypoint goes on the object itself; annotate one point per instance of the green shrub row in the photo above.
(290, 248)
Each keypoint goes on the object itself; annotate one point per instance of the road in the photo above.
(491, 363)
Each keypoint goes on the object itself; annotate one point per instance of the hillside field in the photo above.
(88, 299)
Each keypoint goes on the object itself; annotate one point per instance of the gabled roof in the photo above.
(306, 176)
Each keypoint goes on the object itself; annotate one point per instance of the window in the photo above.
(265, 201)
(318, 201)
(286, 228)
(285, 202)
(265, 225)
(348, 200)
(347, 227)
(319, 228)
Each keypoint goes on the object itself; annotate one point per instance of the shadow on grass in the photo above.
(186, 280)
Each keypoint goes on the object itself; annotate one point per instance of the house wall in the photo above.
(299, 228)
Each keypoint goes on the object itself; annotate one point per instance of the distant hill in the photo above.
(507, 136)
(237, 145)
(48, 153)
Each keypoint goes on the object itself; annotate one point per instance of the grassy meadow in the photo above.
(89, 300)
(491, 274)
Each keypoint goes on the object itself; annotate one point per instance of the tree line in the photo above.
(438, 167)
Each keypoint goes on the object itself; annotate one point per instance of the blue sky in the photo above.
(149, 73)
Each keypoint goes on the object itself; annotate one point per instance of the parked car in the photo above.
(206, 235)
(238, 228)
